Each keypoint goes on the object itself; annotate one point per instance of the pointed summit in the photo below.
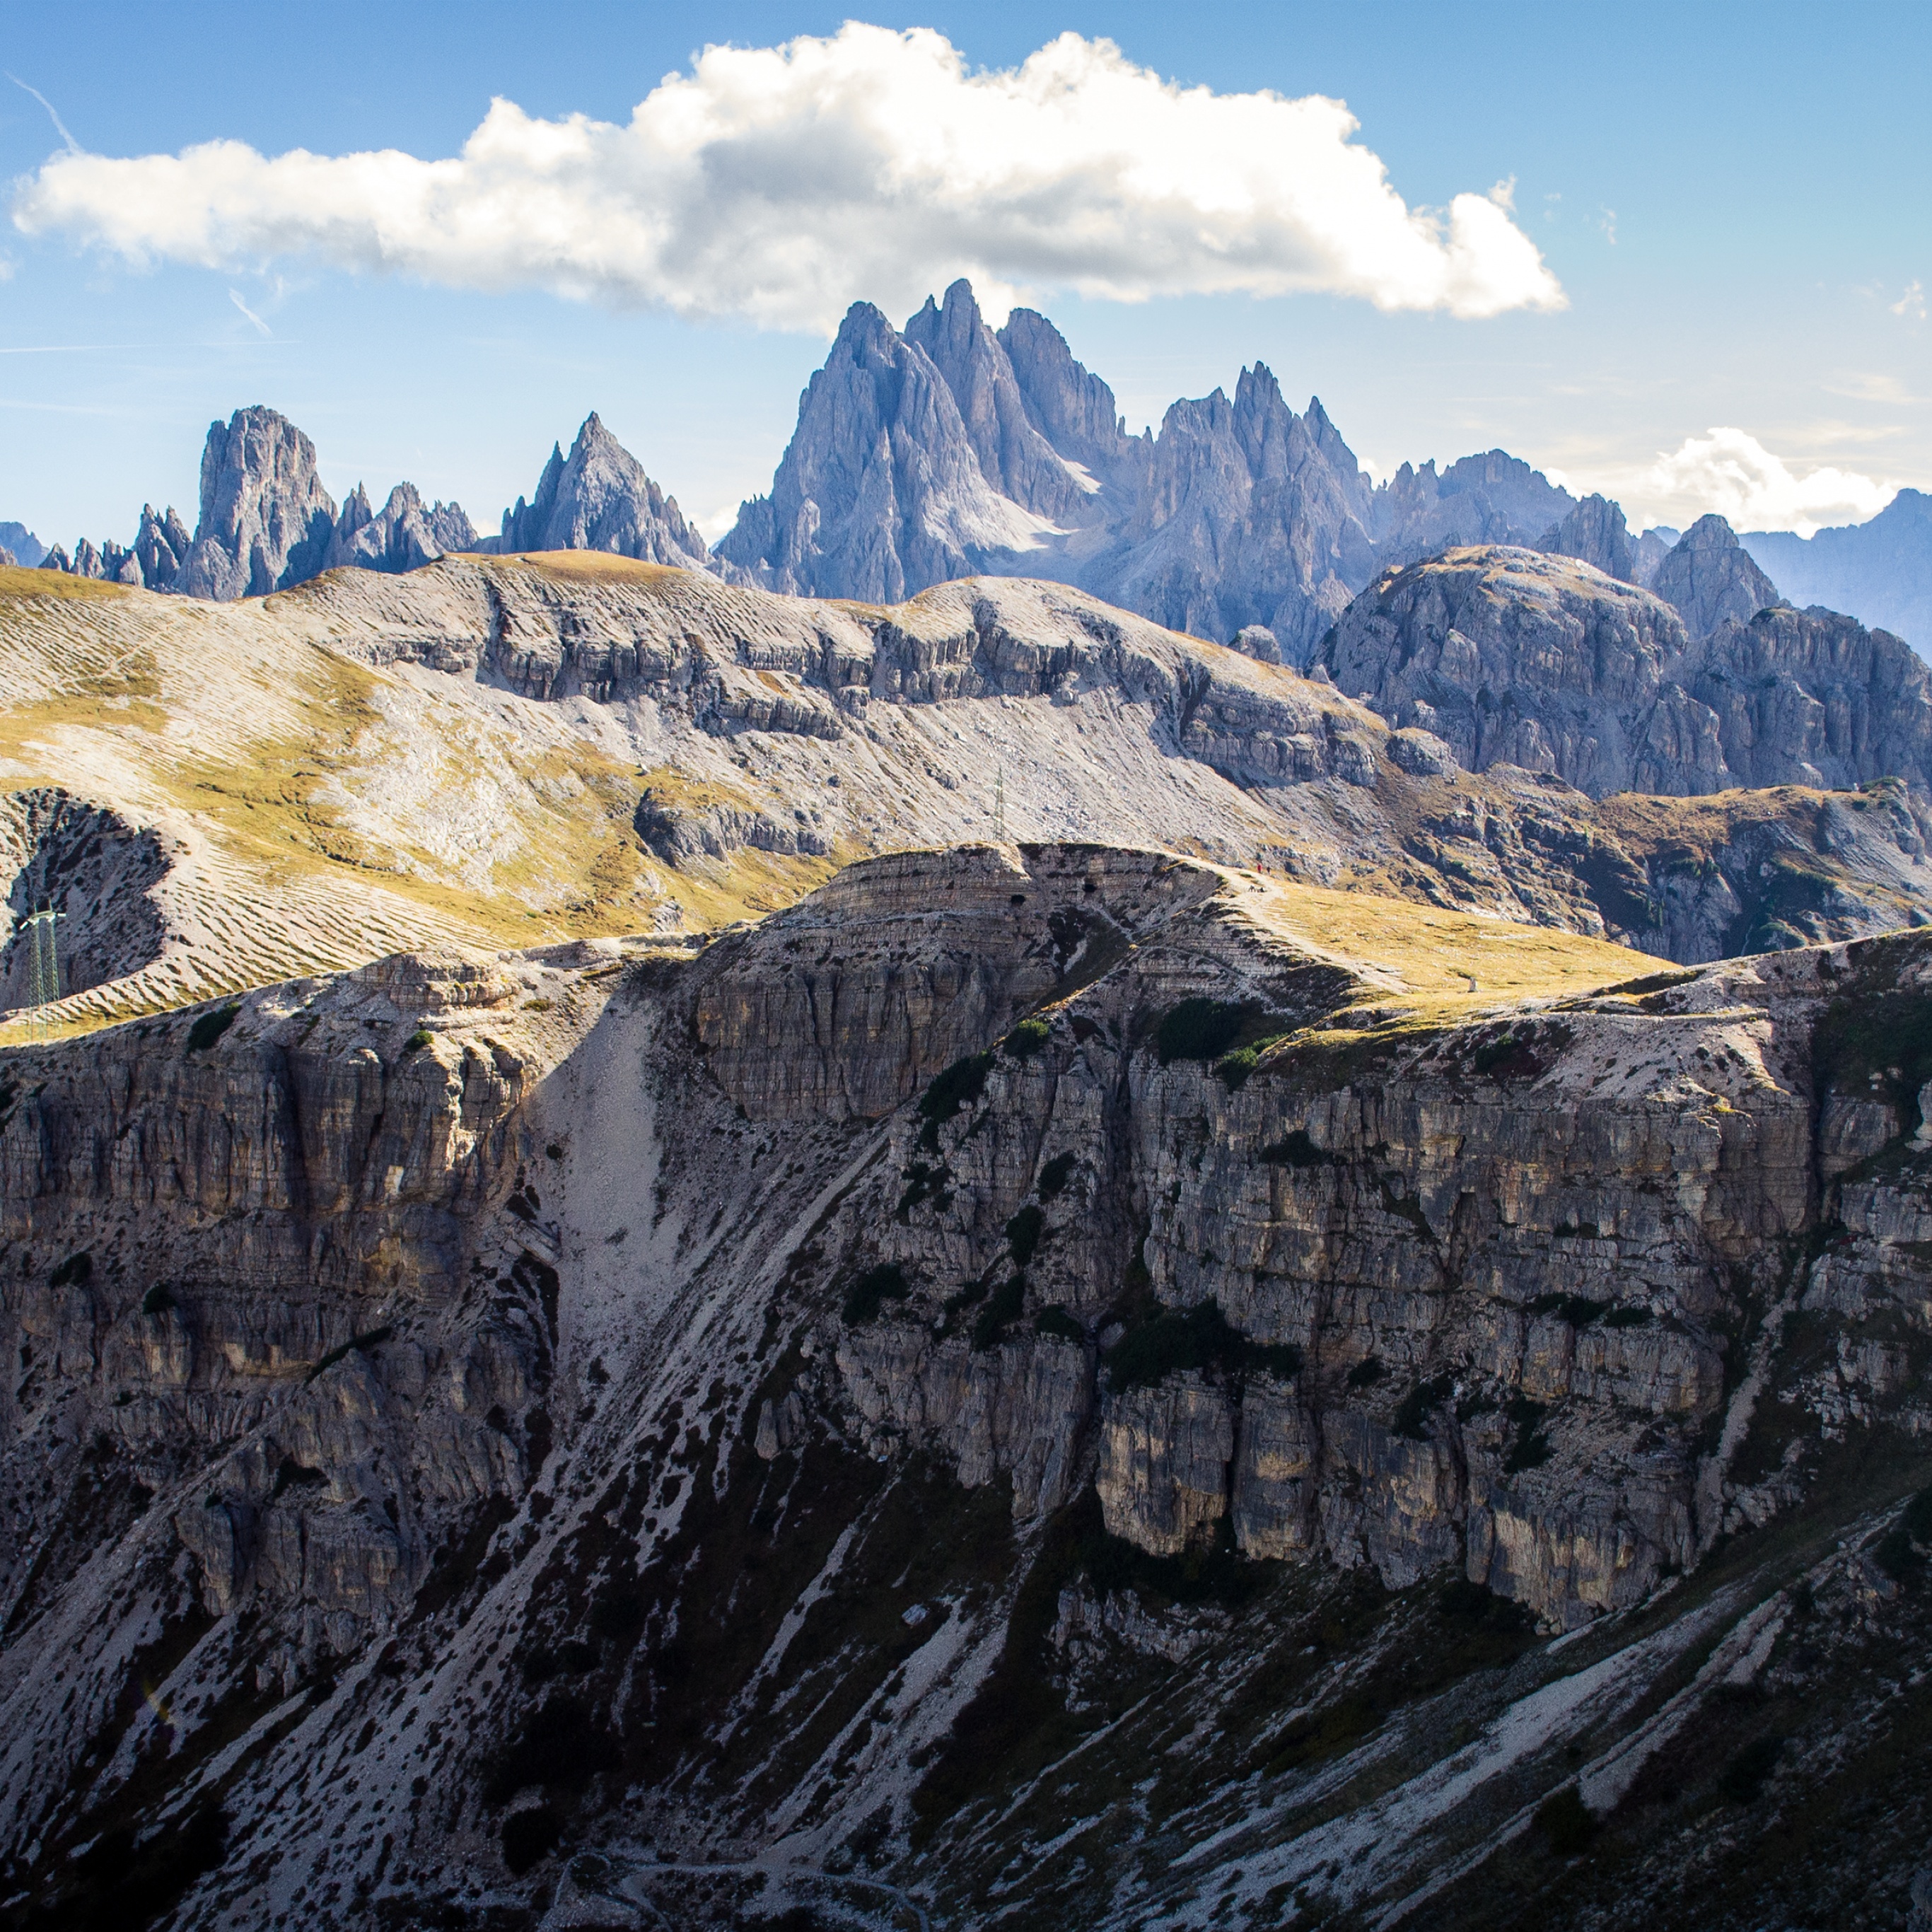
(598, 498)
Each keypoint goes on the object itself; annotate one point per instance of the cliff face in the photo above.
(1547, 663)
(845, 1398)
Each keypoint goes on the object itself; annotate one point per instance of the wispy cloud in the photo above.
(1912, 302)
(235, 296)
(60, 126)
(780, 183)
(1872, 387)
(1731, 472)
(1607, 219)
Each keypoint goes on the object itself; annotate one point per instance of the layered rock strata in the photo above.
(607, 1376)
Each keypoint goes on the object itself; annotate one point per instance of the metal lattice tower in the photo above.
(45, 958)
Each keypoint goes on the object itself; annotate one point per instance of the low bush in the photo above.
(1055, 1320)
(1578, 1310)
(1053, 1177)
(1411, 1418)
(1198, 1029)
(158, 1300)
(1028, 1038)
(529, 1837)
(1296, 1150)
(959, 1085)
(1177, 1339)
(1009, 1298)
(1743, 1779)
(1024, 1231)
(75, 1272)
(417, 1041)
(1567, 1823)
(210, 1027)
(1366, 1373)
(871, 1291)
(1531, 1449)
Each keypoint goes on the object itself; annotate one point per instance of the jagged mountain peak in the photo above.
(1712, 579)
(599, 497)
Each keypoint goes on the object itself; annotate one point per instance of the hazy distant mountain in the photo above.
(1880, 571)
(27, 549)
(266, 523)
(1712, 580)
(598, 498)
(950, 448)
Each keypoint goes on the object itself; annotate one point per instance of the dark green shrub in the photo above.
(1233, 1068)
(158, 1300)
(1567, 1823)
(74, 1272)
(1053, 1176)
(1411, 1419)
(960, 1085)
(876, 1286)
(1009, 1298)
(1530, 1450)
(418, 1040)
(210, 1027)
(369, 1340)
(529, 1837)
(1366, 1373)
(1175, 1339)
(1055, 1320)
(1918, 1517)
(1628, 1315)
(1024, 1231)
(1578, 1310)
(1028, 1038)
(1895, 1555)
(1198, 1029)
(1743, 1779)
(559, 1745)
(1298, 1151)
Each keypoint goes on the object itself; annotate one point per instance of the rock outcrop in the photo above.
(1546, 663)
(1594, 532)
(1711, 580)
(266, 522)
(26, 549)
(598, 498)
(405, 534)
(880, 493)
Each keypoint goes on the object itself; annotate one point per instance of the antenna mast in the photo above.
(45, 971)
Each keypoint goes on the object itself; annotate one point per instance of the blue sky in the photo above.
(1732, 200)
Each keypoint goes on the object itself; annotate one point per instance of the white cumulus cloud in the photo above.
(1733, 473)
(780, 183)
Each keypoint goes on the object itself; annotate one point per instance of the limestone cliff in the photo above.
(807, 1422)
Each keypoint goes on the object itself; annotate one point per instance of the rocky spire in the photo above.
(266, 522)
(1710, 576)
(1595, 532)
(598, 498)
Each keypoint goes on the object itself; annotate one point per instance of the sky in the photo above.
(1678, 253)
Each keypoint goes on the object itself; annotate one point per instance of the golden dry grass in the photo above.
(23, 586)
(1428, 956)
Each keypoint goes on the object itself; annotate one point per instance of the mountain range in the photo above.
(689, 1255)
(837, 1233)
(950, 449)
